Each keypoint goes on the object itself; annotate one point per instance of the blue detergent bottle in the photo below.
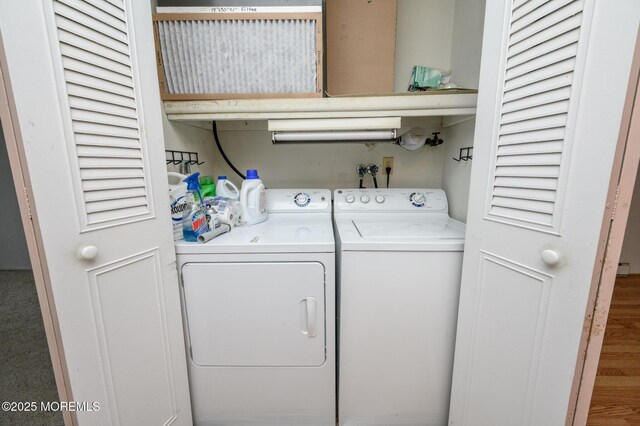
(194, 221)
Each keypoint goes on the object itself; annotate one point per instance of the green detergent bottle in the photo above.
(207, 187)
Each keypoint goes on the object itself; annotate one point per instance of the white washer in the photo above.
(259, 314)
(399, 266)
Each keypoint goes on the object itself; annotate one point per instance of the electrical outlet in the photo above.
(386, 162)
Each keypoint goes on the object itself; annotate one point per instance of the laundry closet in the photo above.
(526, 163)
(416, 390)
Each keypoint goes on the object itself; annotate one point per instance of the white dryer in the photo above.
(259, 315)
(399, 267)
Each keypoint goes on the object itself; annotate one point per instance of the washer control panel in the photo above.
(298, 200)
(390, 200)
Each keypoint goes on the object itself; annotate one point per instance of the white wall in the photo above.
(467, 42)
(423, 37)
(331, 166)
(631, 246)
(465, 68)
(456, 174)
(13, 246)
(182, 137)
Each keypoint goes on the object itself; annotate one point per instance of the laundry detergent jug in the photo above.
(177, 202)
(252, 200)
(225, 188)
(207, 187)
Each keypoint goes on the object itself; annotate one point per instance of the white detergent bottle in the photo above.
(225, 188)
(178, 202)
(252, 202)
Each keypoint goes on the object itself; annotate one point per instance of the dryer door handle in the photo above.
(308, 316)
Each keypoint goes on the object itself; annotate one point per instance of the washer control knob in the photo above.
(364, 198)
(349, 198)
(417, 199)
(301, 199)
(380, 199)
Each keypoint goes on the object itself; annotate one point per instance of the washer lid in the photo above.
(409, 229)
(399, 232)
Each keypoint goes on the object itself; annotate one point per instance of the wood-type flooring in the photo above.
(616, 396)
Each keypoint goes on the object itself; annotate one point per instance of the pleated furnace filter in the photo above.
(240, 55)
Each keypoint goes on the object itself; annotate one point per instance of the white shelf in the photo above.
(452, 106)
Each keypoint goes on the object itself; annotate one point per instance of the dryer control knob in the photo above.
(349, 198)
(380, 199)
(365, 198)
(301, 199)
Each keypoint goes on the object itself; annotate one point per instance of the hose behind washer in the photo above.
(226, 159)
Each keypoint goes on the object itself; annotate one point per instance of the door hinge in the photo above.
(615, 203)
(26, 197)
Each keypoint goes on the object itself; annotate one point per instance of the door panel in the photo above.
(93, 144)
(544, 145)
(135, 321)
(524, 295)
(537, 111)
(100, 99)
(255, 314)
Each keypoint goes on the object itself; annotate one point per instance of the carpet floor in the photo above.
(26, 374)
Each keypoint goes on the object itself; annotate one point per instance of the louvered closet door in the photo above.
(82, 74)
(552, 88)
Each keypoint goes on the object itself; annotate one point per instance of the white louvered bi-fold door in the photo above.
(82, 75)
(552, 88)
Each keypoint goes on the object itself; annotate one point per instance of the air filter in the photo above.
(232, 53)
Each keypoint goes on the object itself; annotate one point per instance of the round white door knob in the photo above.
(87, 252)
(550, 257)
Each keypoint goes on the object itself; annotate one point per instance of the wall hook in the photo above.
(178, 157)
(194, 160)
(465, 154)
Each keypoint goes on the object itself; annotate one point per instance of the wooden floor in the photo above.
(616, 396)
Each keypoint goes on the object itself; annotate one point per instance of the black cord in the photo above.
(388, 170)
(360, 187)
(215, 137)
(375, 182)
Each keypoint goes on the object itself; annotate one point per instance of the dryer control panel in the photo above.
(390, 200)
(298, 200)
